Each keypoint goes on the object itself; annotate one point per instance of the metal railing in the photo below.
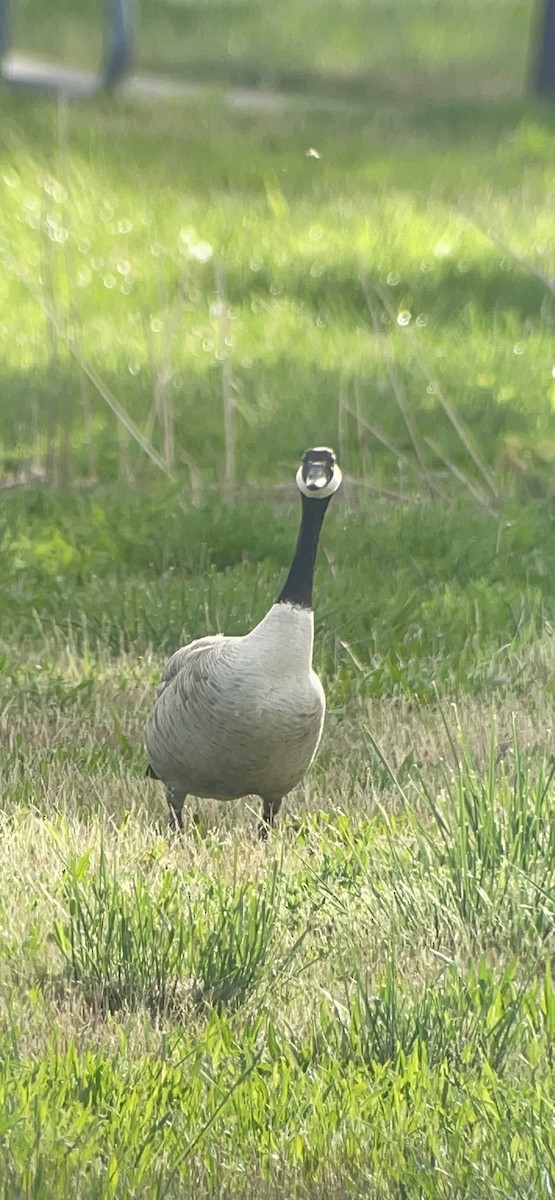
(116, 60)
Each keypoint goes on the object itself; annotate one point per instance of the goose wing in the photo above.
(192, 663)
(188, 678)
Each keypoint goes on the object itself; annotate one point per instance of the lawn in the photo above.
(190, 295)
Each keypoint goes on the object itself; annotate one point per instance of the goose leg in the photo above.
(176, 799)
(270, 808)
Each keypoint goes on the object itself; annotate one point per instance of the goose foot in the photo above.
(270, 809)
(176, 800)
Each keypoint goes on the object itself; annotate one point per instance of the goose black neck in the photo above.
(298, 585)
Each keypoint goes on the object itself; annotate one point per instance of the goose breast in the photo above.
(226, 723)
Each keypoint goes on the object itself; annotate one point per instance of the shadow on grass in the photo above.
(431, 98)
(201, 147)
(284, 404)
(443, 292)
(128, 566)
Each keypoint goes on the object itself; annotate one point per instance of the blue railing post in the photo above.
(116, 59)
(118, 42)
(545, 58)
(4, 26)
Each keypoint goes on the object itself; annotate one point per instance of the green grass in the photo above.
(114, 216)
(364, 1007)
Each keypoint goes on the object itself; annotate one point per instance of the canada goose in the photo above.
(241, 716)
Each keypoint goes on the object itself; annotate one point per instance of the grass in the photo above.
(364, 1007)
(121, 223)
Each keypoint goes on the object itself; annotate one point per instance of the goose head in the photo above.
(319, 475)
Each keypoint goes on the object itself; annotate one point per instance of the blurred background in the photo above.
(349, 48)
(312, 221)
